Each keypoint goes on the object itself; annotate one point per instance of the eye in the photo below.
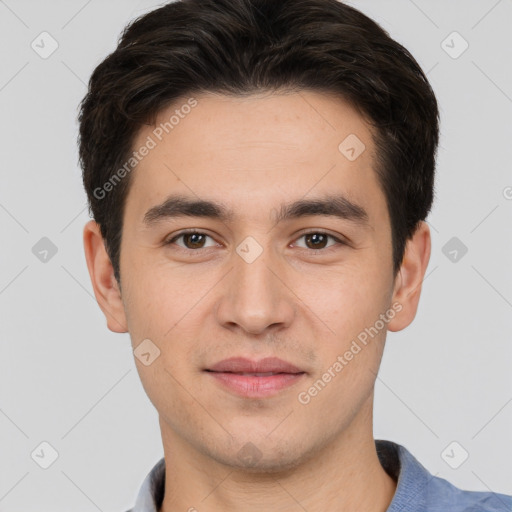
(318, 240)
(191, 240)
(313, 240)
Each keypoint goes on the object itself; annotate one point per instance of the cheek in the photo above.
(156, 299)
(164, 387)
(344, 301)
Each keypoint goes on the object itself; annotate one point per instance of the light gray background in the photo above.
(67, 380)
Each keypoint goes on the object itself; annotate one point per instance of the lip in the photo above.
(232, 373)
(244, 365)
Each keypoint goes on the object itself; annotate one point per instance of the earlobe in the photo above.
(410, 277)
(106, 289)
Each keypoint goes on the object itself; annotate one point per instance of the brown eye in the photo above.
(193, 240)
(316, 240)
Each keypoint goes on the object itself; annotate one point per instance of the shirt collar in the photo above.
(411, 477)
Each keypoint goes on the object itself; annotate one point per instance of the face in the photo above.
(285, 254)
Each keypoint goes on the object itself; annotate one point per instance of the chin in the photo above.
(263, 456)
(275, 465)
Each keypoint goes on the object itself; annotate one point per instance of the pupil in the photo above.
(316, 237)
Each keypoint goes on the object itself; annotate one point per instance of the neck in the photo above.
(345, 475)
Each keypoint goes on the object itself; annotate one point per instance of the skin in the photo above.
(202, 305)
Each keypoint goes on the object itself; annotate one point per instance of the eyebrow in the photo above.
(332, 205)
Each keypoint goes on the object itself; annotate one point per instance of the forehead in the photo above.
(259, 148)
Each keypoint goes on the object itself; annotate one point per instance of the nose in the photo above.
(257, 297)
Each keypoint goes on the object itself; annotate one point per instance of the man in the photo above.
(259, 174)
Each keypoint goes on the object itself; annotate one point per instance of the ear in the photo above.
(408, 281)
(106, 288)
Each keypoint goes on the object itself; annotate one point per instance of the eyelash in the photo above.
(310, 251)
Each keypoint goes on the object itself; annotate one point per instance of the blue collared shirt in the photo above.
(417, 490)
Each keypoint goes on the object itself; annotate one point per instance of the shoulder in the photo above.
(441, 495)
(419, 490)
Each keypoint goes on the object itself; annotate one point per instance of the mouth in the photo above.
(255, 379)
(266, 374)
